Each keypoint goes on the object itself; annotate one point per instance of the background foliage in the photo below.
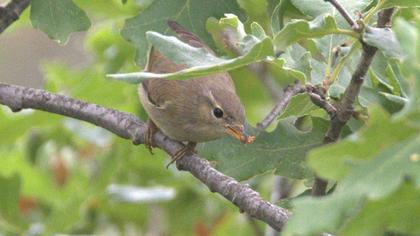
(60, 175)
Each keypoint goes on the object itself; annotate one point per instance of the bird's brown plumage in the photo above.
(182, 109)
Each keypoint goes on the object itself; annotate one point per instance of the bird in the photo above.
(193, 110)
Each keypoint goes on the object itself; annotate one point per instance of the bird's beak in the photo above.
(238, 131)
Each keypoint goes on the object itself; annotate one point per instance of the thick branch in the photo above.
(130, 127)
(345, 107)
(11, 12)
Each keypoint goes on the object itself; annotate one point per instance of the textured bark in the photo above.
(130, 127)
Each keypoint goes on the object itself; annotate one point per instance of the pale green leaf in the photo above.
(302, 29)
(256, 11)
(199, 61)
(283, 74)
(227, 28)
(384, 39)
(190, 14)
(408, 35)
(318, 8)
(409, 38)
(58, 18)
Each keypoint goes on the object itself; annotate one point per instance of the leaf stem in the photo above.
(350, 33)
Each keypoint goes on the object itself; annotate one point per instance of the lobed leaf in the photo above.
(199, 61)
(362, 194)
(58, 18)
(299, 105)
(359, 147)
(190, 14)
(282, 150)
(318, 8)
(302, 29)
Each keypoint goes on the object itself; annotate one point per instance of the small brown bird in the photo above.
(195, 110)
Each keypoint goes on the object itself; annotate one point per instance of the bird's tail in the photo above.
(187, 36)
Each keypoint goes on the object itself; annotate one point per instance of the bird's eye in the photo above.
(217, 112)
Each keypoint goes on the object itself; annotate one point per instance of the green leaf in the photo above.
(280, 10)
(283, 74)
(256, 12)
(10, 217)
(58, 18)
(409, 39)
(190, 14)
(199, 61)
(360, 147)
(398, 3)
(300, 105)
(227, 28)
(409, 35)
(318, 8)
(362, 191)
(384, 39)
(282, 150)
(302, 29)
(398, 212)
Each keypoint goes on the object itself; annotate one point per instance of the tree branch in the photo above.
(130, 127)
(289, 92)
(345, 14)
(345, 107)
(11, 12)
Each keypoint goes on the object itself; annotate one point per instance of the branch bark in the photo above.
(289, 92)
(130, 127)
(345, 14)
(345, 107)
(11, 12)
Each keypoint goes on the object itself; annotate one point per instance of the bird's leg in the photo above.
(148, 136)
(188, 149)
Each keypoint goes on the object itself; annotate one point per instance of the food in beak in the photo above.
(238, 132)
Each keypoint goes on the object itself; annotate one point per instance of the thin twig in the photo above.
(345, 14)
(318, 98)
(130, 127)
(345, 107)
(11, 12)
(281, 105)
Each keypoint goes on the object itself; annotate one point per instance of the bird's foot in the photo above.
(185, 151)
(148, 136)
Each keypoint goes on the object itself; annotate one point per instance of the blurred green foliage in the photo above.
(56, 172)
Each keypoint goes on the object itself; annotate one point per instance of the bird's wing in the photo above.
(160, 92)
